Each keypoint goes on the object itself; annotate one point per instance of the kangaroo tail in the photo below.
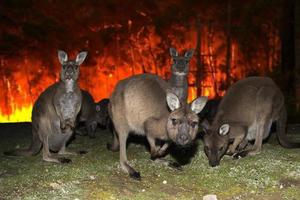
(33, 149)
(281, 131)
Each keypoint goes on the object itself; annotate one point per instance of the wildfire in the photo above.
(129, 47)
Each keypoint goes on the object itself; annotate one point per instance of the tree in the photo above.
(297, 55)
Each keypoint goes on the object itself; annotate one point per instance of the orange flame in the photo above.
(142, 53)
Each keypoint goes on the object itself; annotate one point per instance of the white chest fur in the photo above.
(68, 103)
(69, 84)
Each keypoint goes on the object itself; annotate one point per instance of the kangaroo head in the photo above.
(182, 123)
(180, 64)
(70, 68)
(216, 143)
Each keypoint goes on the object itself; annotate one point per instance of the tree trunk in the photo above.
(287, 48)
(212, 60)
(297, 53)
(200, 70)
(228, 44)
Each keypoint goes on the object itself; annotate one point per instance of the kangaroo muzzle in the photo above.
(214, 159)
(183, 139)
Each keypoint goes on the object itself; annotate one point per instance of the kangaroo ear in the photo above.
(81, 57)
(224, 129)
(172, 101)
(62, 57)
(98, 108)
(205, 125)
(188, 55)
(173, 52)
(198, 104)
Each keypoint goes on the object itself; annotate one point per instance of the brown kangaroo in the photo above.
(140, 104)
(179, 73)
(54, 113)
(245, 114)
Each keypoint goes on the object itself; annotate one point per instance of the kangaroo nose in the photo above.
(183, 137)
(213, 163)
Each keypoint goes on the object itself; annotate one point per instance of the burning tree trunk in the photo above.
(200, 70)
(297, 53)
(212, 61)
(228, 44)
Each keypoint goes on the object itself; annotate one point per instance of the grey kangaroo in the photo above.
(142, 104)
(245, 114)
(179, 73)
(55, 111)
(88, 114)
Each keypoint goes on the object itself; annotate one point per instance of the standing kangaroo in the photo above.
(179, 73)
(246, 113)
(55, 111)
(139, 104)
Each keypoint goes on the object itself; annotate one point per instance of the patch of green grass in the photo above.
(273, 174)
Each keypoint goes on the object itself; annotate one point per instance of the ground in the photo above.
(272, 175)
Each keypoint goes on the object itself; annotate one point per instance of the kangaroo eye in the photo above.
(221, 149)
(174, 122)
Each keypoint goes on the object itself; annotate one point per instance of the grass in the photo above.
(272, 175)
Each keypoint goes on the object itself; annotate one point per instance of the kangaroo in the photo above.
(245, 114)
(54, 113)
(139, 104)
(89, 114)
(179, 73)
(210, 109)
(103, 116)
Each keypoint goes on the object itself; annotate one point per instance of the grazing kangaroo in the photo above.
(179, 73)
(89, 114)
(139, 104)
(245, 114)
(54, 112)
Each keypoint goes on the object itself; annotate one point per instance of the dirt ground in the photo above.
(272, 175)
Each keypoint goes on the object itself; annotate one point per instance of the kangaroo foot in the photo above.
(82, 152)
(113, 148)
(135, 175)
(64, 160)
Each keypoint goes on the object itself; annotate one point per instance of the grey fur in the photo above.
(88, 114)
(138, 104)
(179, 73)
(54, 114)
(249, 107)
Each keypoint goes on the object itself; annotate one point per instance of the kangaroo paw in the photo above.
(64, 160)
(82, 152)
(135, 176)
(241, 154)
(175, 165)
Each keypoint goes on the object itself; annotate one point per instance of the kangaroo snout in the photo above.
(214, 163)
(183, 139)
(69, 73)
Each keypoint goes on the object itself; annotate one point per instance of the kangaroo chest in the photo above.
(68, 103)
(179, 86)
